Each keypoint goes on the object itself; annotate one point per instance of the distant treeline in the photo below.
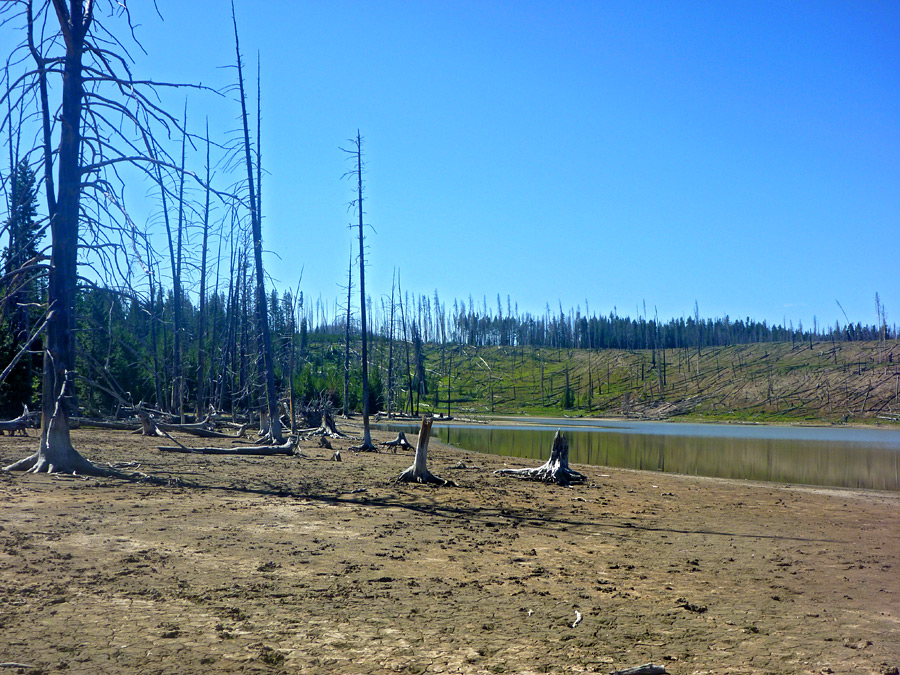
(126, 344)
(469, 324)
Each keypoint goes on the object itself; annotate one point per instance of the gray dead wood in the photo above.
(285, 449)
(18, 424)
(556, 470)
(418, 472)
(646, 669)
(399, 442)
(320, 414)
(151, 427)
(202, 433)
(120, 425)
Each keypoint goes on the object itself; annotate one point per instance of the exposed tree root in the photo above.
(556, 470)
(77, 465)
(363, 447)
(399, 442)
(418, 472)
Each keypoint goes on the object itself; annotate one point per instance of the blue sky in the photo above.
(743, 155)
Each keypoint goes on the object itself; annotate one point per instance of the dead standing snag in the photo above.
(556, 470)
(418, 472)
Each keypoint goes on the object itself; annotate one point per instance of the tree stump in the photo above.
(556, 470)
(418, 472)
(399, 442)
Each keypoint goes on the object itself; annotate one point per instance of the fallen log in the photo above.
(556, 470)
(18, 424)
(105, 424)
(151, 427)
(194, 431)
(258, 450)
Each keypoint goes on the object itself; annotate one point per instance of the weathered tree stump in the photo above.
(399, 442)
(556, 470)
(418, 472)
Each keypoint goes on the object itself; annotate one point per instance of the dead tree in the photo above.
(262, 315)
(556, 470)
(418, 472)
(347, 340)
(390, 387)
(358, 204)
(201, 322)
(100, 102)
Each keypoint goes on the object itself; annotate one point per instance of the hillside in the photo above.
(818, 381)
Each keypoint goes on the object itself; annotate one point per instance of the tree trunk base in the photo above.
(399, 442)
(78, 465)
(418, 472)
(556, 470)
(364, 447)
(57, 455)
(424, 477)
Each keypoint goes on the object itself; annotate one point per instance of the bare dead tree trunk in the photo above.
(418, 472)
(367, 438)
(347, 341)
(293, 351)
(154, 318)
(201, 321)
(56, 452)
(357, 152)
(262, 315)
(406, 345)
(390, 396)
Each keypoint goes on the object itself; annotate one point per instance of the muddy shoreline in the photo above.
(300, 564)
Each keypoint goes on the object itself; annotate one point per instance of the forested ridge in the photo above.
(483, 362)
(100, 314)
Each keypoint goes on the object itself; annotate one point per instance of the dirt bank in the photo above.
(300, 564)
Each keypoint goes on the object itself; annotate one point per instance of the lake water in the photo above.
(833, 456)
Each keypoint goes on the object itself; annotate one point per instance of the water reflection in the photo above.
(755, 453)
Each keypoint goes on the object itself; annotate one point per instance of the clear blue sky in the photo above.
(743, 155)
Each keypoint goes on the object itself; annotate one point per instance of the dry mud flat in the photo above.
(303, 565)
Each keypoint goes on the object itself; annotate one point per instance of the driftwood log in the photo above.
(118, 425)
(18, 424)
(150, 427)
(284, 449)
(556, 470)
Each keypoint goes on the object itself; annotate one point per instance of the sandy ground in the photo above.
(303, 565)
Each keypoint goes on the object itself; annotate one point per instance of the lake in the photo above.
(831, 456)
